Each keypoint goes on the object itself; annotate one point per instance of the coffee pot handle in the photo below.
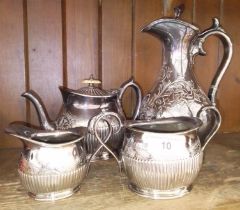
(137, 89)
(93, 128)
(218, 31)
(216, 125)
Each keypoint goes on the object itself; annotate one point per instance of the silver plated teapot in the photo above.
(162, 157)
(79, 106)
(53, 164)
(176, 92)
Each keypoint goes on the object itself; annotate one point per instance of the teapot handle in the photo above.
(93, 125)
(216, 125)
(218, 31)
(137, 89)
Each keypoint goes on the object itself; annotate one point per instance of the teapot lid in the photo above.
(92, 90)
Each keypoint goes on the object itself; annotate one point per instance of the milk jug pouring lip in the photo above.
(61, 138)
(46, 138)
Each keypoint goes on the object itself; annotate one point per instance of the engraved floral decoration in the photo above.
(65, 121)
(136, 150)
(169, 94)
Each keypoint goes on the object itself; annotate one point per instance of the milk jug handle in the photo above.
(137, 89)
(218, 31)
(93, 128)
(217, 122)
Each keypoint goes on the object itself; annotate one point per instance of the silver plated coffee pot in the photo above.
(79, 106)
(176, 92)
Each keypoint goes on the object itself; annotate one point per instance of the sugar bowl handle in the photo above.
(137, 89)
(216, 125)
(93, 128)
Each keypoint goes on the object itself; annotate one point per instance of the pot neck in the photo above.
(177, 37)
(177, 56)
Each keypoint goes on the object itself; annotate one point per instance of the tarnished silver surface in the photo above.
(53, 164)
(79, 106)
(93, 129)
(162, 157)
(53, 186)
(104, 188)
(114, 142)
(176, 92)
(162, 179)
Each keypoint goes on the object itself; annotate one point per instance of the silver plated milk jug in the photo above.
(176, 92)
(53, 164)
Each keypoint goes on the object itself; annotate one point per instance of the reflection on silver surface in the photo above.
(176, 92)
(162, 158)
(53, 186)
(80, 106)
(53, 164)
(162, 179)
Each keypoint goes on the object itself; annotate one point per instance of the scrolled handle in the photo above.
(218, 31)
(137, 89)
(93, 128)
(216, 125)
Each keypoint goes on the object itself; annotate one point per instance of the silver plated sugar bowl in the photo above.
(53, 164)
(79, 106)
(162, 157)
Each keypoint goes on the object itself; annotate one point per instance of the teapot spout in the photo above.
(41, 111)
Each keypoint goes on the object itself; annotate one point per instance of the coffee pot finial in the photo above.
(178, 10)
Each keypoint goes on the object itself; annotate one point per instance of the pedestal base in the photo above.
(52, 196)
(160, 194)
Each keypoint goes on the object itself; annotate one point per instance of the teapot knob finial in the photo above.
(91, 81)
(178, 10)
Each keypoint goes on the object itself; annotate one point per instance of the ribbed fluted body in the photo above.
(161, 178)
(162, 158)
(53, 186)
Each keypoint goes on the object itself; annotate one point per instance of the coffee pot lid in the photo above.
(91, 89)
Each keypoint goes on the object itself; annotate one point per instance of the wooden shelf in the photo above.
(217, 186)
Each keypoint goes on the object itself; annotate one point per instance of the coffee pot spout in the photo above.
(41, 111)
